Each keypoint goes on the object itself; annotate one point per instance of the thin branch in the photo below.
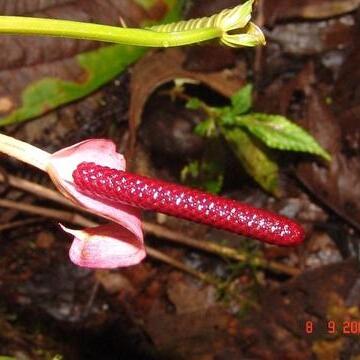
(158, 255)
(36, 189)
(210, 247)
(60, 215)
(79, 220)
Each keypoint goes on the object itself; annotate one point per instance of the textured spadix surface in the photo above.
(115, 185)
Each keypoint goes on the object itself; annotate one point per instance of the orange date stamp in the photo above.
(332, 327)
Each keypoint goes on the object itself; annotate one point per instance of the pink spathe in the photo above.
(117, 244)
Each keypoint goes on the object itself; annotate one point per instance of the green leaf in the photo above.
(208, 172)
(206, 128)
(242, 100)
(207, 175)
(194, 104)
(190, 170)
(99, 67)
(226, 116)
(215, 185)
(278, 132)
(254, 159)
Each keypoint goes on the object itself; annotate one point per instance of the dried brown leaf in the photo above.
(346, 95)
(158, 68)
(308, 9)
(26, 60)
(314, 37)
(278, 329)
(199, 328)
(335, 184)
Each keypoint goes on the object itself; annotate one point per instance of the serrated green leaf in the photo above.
(242, 100)
(193, 104)
(278, 132)
(254, 159)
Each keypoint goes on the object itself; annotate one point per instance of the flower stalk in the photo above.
(24, 152)
(232, 26)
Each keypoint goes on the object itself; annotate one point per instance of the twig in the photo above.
(156, 230)
(91, 300)
(76, 219)
(47, 212)
(162, 232)
(36, 189)
(156, 254)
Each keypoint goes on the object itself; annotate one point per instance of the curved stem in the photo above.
(24, 152)
(80, 30)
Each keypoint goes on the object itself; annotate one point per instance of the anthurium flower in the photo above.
(117, 244)
(92, 175)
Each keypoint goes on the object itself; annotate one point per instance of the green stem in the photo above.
(81, 30)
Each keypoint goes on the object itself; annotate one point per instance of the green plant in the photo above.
(249, 135)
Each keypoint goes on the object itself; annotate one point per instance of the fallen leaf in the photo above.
(114, 282)
(196, 329)
(308, 9)
(209, 58)
(346, 96)
(312, 38)
(168, 129)
(328, 349)
(200, 9)
(180, 295)
(51, 84)
(336, 184)
(160, 67)
(277, 329)
(37, 74)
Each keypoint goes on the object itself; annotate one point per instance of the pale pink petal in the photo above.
(105, 246)
(102, 152)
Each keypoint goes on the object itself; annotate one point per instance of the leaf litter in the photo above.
(182, 317)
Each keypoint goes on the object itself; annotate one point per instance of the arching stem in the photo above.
(87, 31)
